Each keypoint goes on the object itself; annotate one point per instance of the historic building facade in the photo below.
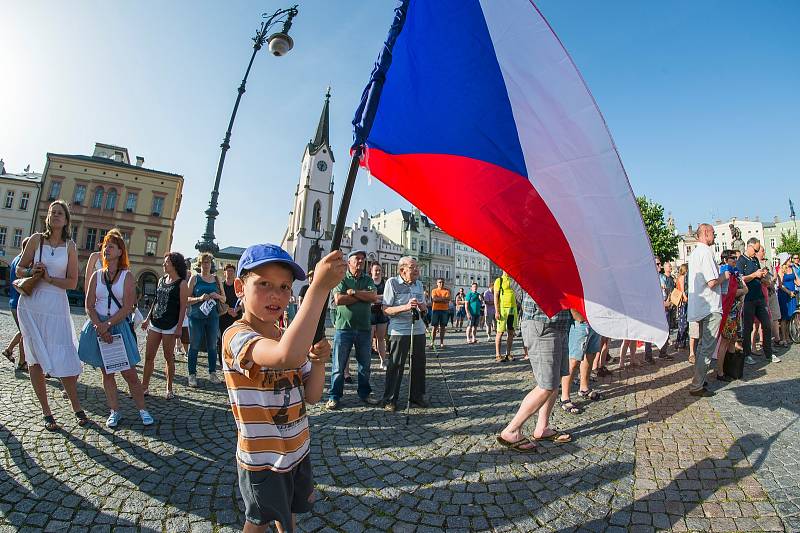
(19, 194)
(106, 191)
(309, 230)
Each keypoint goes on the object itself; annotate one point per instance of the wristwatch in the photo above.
(351, 292)
(108, 323)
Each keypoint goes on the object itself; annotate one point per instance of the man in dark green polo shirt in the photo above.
(354, 297)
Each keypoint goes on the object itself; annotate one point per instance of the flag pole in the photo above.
(362, 123)
(338, 230)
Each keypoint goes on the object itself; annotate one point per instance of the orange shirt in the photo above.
(440, 293)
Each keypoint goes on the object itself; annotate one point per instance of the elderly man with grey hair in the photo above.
(404, 304)
(705, 304)
(755, 304)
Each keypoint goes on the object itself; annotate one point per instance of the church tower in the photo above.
(309, 231)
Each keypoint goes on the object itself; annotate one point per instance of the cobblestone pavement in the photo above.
(646, 457)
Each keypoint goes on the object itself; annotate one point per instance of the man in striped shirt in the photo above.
(270, 376)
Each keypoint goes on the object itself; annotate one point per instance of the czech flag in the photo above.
(476, 114)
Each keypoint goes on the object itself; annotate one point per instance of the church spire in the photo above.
(322, 137)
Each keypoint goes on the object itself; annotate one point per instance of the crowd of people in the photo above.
(264, 340)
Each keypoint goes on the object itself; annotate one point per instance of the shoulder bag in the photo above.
(114, 299)
(25, 285)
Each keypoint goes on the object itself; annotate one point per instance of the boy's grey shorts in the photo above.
(272, 495)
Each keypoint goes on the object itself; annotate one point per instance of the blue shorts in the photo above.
(439, 318)
(582, 340)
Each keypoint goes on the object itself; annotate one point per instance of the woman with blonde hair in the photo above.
(787, 292)
(682, 340)
(44, 317)
(110, 300)
(205, 297)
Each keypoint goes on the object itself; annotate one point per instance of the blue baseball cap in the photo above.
(261, 254)
(356, 252)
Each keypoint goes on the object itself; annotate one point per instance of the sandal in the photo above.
(9, 356)
(82, 418)
(518, 446)
(498, 359)
(590, 394)
(570, 407)
(22, 367)
(556, 437)
(170, 395)
(50, 423)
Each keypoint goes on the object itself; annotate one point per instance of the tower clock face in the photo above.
(322, 166)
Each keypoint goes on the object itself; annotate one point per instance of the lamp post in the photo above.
(279, 45)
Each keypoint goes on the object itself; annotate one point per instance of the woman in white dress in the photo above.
(44, 318)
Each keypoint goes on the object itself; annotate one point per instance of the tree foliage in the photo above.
(789, 243)
(662, 237)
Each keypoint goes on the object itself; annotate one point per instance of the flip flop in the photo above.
(8, 356)
(518, 445)
(556, 436)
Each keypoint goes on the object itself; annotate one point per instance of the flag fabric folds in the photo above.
(476, 114)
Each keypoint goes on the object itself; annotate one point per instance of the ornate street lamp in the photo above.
(279, 45)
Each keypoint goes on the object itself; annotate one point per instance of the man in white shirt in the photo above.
(705, 304)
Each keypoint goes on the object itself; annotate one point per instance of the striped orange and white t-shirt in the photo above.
(268, 405)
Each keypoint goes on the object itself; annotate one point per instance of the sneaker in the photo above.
(390, 407)
(213, 378)
(749, 360)
(703, 393)
(193, 380)
(147, 420)
(332, 405)
(776, 359)
(383, 365)
(370, 400)
(113, 419)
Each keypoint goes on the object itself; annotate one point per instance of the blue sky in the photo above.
(701, 97)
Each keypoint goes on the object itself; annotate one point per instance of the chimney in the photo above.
(691, 231)
(139, 160)
(747, 218)
(758, 219)
(718, 222)
(776, 219)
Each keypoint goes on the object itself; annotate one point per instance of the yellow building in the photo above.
(106, 191)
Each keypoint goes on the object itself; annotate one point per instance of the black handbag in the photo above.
(734, 365)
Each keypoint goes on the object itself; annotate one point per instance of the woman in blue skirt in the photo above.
(110, 300)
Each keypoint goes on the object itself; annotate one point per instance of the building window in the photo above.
(91, 239)
(3, 232)
(150, 245)
(23, 202)
(17, 238)
(316, 216)
(422, 247)
(97, 201)
(9, 199)
(413, 243)
(80, 195)
(101, 237)
(130, 203)
(55, 190)
(126, 237)
(111, 200)
(772, 243)
(158, 206)
(74, 233)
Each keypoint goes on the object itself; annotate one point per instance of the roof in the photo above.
(112, 163)
(31, 177)
(322, 136)
(410, 222)
(232, 250)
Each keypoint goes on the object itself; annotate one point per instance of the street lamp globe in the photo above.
(280, 44)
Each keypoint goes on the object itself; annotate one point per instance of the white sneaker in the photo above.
(776, 359)
(113, 419)
(749, 360)
(193, 380)
(213, 378)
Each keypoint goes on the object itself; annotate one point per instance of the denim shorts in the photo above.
(439, 318)
(582, 340)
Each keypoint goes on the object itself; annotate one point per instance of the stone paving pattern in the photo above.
(647, 457)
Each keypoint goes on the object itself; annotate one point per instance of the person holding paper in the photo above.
(110, 299)
(205, 296)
